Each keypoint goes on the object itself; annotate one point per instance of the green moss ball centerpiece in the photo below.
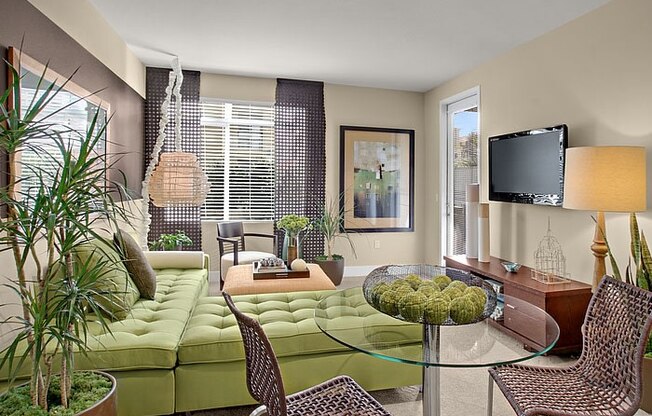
(426, 294)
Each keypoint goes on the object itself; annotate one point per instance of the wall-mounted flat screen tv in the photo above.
(527, 167)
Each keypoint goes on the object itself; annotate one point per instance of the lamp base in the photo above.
(599, 249)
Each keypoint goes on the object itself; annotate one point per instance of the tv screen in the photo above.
(528, 166)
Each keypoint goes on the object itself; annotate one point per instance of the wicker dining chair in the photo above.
(337, 396)
(606, 380)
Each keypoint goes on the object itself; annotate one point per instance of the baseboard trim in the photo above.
(353, 271)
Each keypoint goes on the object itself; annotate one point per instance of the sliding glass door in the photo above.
(462, 133)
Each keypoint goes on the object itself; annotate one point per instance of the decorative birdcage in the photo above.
(550, 262)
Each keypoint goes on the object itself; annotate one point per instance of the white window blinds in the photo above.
(238, 158)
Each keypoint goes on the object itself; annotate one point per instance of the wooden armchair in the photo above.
(231, 243)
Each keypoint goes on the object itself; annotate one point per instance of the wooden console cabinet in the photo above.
(565, 302)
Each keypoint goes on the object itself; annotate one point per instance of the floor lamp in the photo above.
(604, 179)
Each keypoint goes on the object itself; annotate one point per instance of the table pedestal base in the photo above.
(431, 374)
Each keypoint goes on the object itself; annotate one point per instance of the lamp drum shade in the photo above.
(178, 180)
(605, 178)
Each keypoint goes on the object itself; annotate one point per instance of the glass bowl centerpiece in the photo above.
(429, 294)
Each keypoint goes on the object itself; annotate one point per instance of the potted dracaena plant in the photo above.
(639, 273)
(330, 225)
(60, 209)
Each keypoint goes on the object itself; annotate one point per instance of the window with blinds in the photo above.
(238, 158)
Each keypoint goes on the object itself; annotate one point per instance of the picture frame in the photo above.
(377, 179)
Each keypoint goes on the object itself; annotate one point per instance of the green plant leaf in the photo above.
(644, 280)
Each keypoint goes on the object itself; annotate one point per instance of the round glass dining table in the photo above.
(482, 344)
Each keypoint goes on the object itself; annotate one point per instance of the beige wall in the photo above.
(81, 21)
(350, 106)
(592, 74)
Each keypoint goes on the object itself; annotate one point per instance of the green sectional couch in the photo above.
(182, 351)
(210, 372)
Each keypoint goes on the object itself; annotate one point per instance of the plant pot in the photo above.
(646, 400)
(107, 406)
(334, 269)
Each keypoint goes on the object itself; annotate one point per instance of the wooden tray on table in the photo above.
(285, 273)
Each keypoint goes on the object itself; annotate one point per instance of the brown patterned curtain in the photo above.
(183, 218)
(300, 137)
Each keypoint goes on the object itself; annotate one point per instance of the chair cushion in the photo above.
(117, 291)
(287, 319)
(244, 257)
(137, 265)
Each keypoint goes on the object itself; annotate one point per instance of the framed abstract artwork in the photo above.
(377, 179)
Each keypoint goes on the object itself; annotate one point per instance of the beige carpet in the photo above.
(463, 391)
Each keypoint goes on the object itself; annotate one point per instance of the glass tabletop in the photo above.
(346, 317)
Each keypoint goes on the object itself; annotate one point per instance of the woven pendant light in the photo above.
(178, 180)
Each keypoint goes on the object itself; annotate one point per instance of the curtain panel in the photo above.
(300, 143)
(182, 218)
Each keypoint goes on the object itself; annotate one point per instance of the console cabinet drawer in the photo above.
(531, 326)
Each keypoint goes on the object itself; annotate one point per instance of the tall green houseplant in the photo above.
(639, 265)
(49, 219)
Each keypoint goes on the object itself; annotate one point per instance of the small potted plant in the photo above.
(293, 225)
(330, 224)
(639, 273)
(171, 242)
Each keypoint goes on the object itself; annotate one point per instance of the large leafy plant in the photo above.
(67, 202)
(639, 264)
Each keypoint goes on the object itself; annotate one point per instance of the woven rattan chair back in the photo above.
(615, 331)
(263, 373)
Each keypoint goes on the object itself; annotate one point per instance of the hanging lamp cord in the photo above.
(173, 88)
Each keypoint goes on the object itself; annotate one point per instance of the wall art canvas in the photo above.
(377, 178)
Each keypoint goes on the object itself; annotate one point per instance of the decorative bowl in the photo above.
(510, 266)
(391, 273)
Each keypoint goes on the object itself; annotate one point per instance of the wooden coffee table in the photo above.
(240, 281)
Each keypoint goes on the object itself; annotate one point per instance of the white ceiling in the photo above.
(398, 44)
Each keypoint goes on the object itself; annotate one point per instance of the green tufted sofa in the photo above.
(210, 372)
(183, 351)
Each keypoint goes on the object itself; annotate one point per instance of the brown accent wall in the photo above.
(46, 42)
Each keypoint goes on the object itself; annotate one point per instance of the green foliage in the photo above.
(331, 225)
(293, 224)
(67, 204)
(87, 389)
(170, 242)
(640, 257)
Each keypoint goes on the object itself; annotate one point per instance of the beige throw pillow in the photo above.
(137, 265)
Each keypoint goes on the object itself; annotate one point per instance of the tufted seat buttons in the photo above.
(287, 319)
